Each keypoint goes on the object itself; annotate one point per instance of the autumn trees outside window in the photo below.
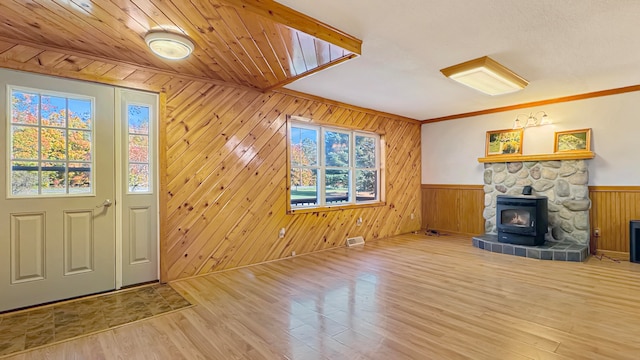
(332, 166)
(139, 162)
(50, 144)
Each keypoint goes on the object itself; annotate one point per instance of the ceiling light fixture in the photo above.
(169, 45)
(531, 120)
(486, 75)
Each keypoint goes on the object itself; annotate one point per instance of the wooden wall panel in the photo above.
(453, 208)
(225, 169)
(227, 180)
(612, 207)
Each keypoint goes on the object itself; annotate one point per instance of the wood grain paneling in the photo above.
(225, 173)
(227, 180)
(612, 207)
(255, 43)
(453, 208)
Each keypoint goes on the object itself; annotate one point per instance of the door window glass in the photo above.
(139, 144)
(51, 144)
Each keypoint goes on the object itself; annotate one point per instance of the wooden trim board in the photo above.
(590, 95)
(577, 155)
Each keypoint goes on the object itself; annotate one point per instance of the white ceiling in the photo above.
(562, 47)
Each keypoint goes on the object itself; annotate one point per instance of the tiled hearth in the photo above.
(560, 251)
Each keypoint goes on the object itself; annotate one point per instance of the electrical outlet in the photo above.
(281, 234)
(293, 253)
(596, 232)
(412, 216)
(359, 221)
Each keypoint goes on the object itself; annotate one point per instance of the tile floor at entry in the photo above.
(49, 324)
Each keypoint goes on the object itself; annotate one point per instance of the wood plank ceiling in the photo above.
(255, 43)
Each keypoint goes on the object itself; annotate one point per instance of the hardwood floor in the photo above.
(408, 297)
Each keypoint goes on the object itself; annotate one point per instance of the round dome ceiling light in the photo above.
(168, 45)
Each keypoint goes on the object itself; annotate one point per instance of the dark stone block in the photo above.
(551, 250)
(533, 253)
(573, 256)
(507, 249)
(491, 237)
(560, 255)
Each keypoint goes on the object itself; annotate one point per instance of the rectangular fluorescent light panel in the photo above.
(486, 75)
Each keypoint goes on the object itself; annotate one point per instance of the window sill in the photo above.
(334, 208)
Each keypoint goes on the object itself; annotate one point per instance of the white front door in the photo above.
(57, 225)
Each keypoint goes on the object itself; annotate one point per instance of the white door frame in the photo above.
(119, 185)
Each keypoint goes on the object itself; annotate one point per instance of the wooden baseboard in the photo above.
(448, 232)
(618, 255)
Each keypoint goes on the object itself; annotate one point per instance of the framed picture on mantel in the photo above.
(504, 142)
(572, 140)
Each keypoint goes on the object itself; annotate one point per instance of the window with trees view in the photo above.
(139, 143)
(50, 143)
(332, 166)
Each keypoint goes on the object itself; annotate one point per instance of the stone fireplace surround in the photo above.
(564, 183)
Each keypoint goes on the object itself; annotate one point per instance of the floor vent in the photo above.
(355, 241)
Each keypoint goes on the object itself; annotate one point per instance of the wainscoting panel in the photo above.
(453, 208)
(612, 207)
(225, 170)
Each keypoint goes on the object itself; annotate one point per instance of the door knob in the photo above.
(107, 203)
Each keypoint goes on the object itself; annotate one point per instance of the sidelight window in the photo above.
(139, 159)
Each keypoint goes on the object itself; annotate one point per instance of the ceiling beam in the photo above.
(299, 21)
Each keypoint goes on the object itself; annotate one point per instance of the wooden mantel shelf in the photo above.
(575, 155)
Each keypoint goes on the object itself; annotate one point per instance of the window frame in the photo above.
(378, 164)
(150, 146)
(9, 143)
(323, 165)
(322, 128)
